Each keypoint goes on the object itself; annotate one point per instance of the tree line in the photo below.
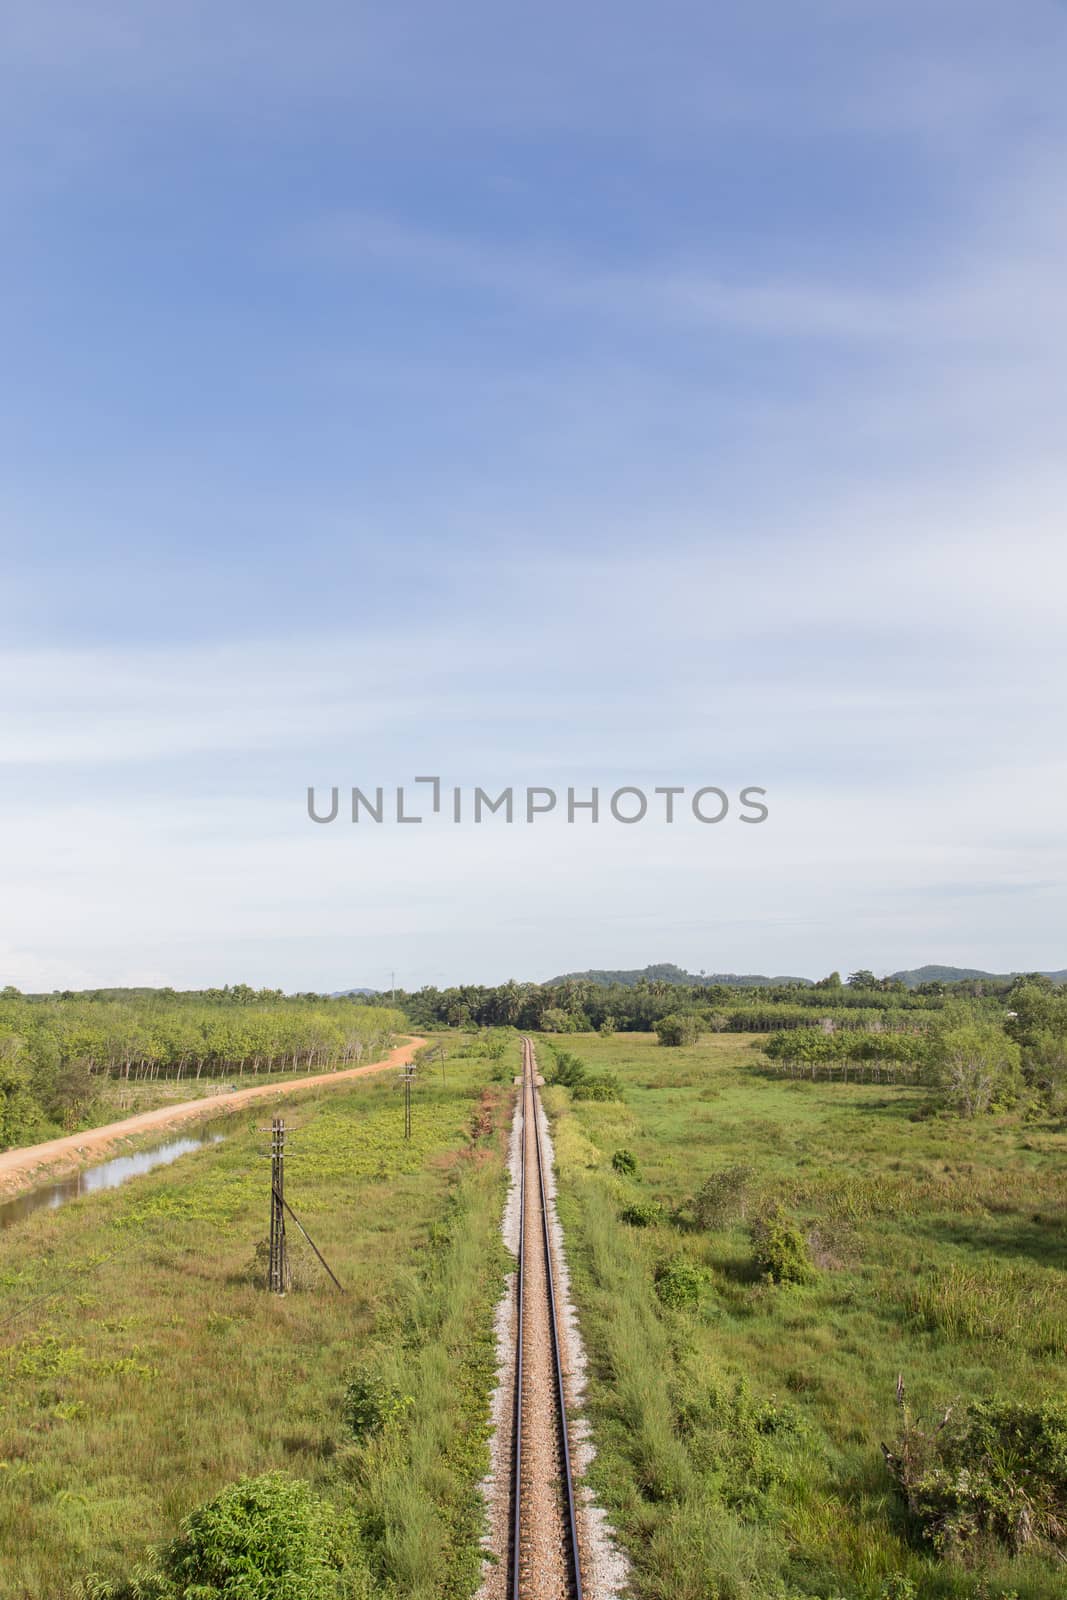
(54, 1050)
(978, 1056)
(579, 1005)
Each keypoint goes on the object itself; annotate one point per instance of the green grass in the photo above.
(739, 1436)
(141, 1368)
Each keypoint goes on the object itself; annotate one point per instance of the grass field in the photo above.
(740, 1434)
(142, 1369)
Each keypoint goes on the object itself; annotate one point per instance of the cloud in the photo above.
(895, 622)
(1007, 294)
(941, 74)
(679, 404)
(142, 704)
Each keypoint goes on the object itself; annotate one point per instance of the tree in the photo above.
(18, 1110)
(1037, 1021)
(977, 1068)
(863, 979)
(680, 1027)
(71, 1092)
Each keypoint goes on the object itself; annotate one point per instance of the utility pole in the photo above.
(393, 975)
(278, 1274)
(407, 1078)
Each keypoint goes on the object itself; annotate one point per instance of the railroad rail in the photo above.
(545, 1553)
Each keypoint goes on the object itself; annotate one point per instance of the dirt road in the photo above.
(20, 1169)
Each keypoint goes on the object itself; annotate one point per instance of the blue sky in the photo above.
(530, 395)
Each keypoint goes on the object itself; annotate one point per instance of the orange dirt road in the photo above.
(20, 1169)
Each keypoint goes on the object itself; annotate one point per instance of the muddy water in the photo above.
(106, 1175)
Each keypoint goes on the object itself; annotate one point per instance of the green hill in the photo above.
(667, 972)
(935, 974)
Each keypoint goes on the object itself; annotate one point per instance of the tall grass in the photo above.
(989, 1305)
(937, 1248)
(141, 1369)
(418, 1494)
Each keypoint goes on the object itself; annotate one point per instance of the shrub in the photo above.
(997, 1476)
(738, 1439)
(722, 1198)
(569, 1070)
(680, 1027)
(556, 1020)
(780, 1249)
(370, 1405)
(679, 1283)
(642, 1214)
(625, 1162)
(898, 1586)
(270, 1535)
(490, 1044)
(605, 1086)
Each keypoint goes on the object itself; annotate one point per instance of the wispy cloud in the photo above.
(531, 394)
(992, 298)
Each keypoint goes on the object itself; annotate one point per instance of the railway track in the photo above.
(545, 1554)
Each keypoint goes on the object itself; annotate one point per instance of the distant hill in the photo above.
(916, 975)
(667, 972)
(344, 994)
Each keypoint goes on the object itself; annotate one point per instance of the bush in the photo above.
(642, 1214)
(681, 1027)
(722, 1198)
(738, 1440)
(556, 1020)
(263, 1537)
(569, 1070)
(490, 1044)
(780, 1249)
(371, 1405)
(680, 1283)
(625, 1163)
(996, 1477)
(605, 1086)
(898, 1586)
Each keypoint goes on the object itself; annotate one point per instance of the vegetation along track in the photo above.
(545, 1559)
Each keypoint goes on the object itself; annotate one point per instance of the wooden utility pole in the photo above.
(278, 1276)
